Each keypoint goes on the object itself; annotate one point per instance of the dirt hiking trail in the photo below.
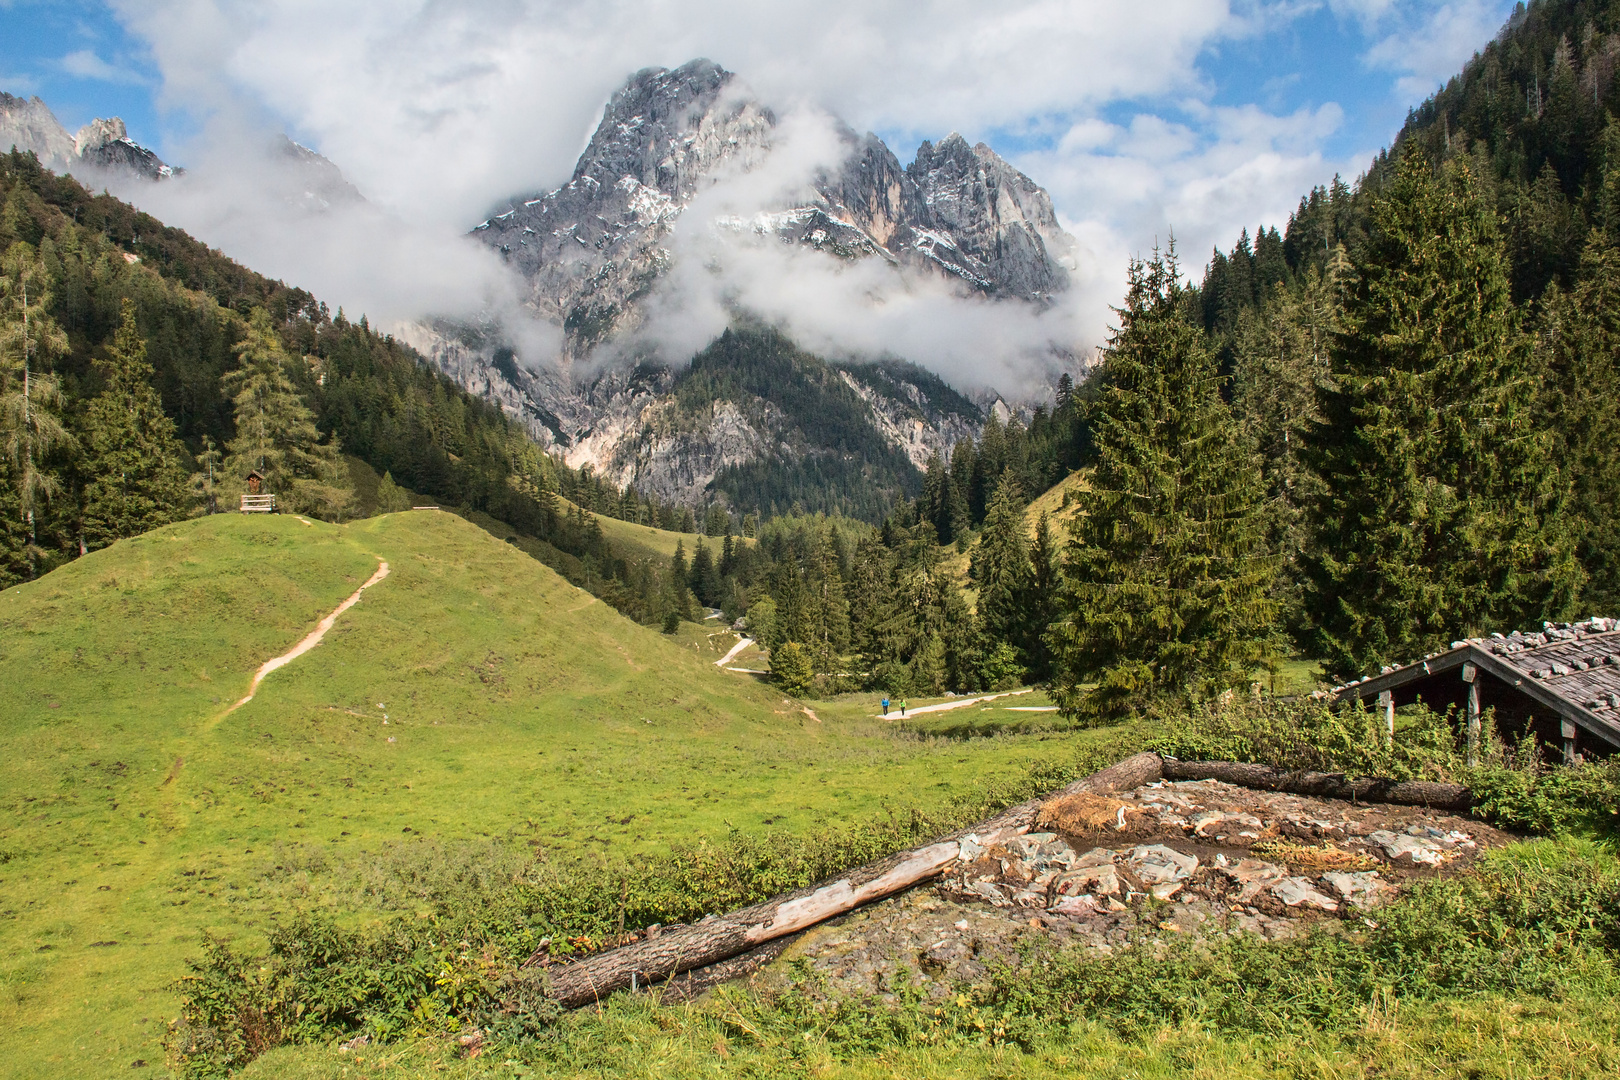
(312, 639)
(742, 643)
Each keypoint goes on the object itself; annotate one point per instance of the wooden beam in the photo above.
(1324, 785)
(1470, 674)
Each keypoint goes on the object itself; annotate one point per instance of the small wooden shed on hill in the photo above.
(256, 500)
(1561, 683)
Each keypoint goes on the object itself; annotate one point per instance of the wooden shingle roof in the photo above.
(1566, 670)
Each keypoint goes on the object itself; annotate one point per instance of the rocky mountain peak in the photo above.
(984, 220)
(592, 251)
(28, 124)
(102, 144)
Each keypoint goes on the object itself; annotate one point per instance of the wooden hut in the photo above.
(1561, 684)
(256, 500)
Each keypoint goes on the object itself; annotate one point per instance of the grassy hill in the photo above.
(633, 541)
(137, 815)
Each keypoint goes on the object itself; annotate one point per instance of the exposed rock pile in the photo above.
(1168, 858)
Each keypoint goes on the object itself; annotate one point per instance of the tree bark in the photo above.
(685, 948)
(1325, 785)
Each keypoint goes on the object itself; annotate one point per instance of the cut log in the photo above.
(1325, 785)
(685, 948)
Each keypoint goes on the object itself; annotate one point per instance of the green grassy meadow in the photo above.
(136, 815)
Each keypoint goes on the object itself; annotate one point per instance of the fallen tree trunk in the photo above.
(681, 949)
(1324, 785)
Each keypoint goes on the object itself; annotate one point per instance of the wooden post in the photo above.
(1386, 702)
(1470, 674)
(1567, 729)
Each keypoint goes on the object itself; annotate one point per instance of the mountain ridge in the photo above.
(590, 252)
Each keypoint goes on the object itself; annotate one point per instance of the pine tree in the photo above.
(275, 430)
(1580, 342)
(1282, 353)
(205, 481)
(679, 598)
(30, 399)
(1165, 581)
(1439, 514)
(391, 498)
(791, 668)
(1041, 602)
(705, 580)
(134, 480)
(827, 609)
(1001, 569)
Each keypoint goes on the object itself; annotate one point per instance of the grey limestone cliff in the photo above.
(101, 146)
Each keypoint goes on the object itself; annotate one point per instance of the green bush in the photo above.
(1512, 786)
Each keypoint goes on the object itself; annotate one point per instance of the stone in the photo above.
(1361, 890)
(1101, 880)
(1156, 864)
(1299, 892)
(1100, 856)
(1412, 848)
(1079, 907)
(1252, 876)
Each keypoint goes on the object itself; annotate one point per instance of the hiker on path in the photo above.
(885, 706)
(902, 706)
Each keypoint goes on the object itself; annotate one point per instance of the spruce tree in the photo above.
(1041, 602)
(275, 430)
(1439, 512)
(1165, 586)
(1580, 340)
(134, 480)
(791, 668)
(1001, 570)
(827, 609)
(1281, 354)
(391, 498)
(30, 403)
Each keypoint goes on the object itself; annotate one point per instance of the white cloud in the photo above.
(1201, 180)
(1426, 49)
(436, 110)
(85, 64)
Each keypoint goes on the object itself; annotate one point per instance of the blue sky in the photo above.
(1200, 116)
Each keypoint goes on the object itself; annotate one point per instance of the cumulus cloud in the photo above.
(291, 216)
(1427, 48)
(728, 260)
(438, 110)
(85, 64)
(1199, 179)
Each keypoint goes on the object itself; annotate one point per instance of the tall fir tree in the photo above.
(1041, 603)
(1166, 582)
(1281, 353)
(31, 428)
(1001, 569)
(275, 430)
(1580, 342)
(133, 477)
(1440, 514)
(828, 610)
